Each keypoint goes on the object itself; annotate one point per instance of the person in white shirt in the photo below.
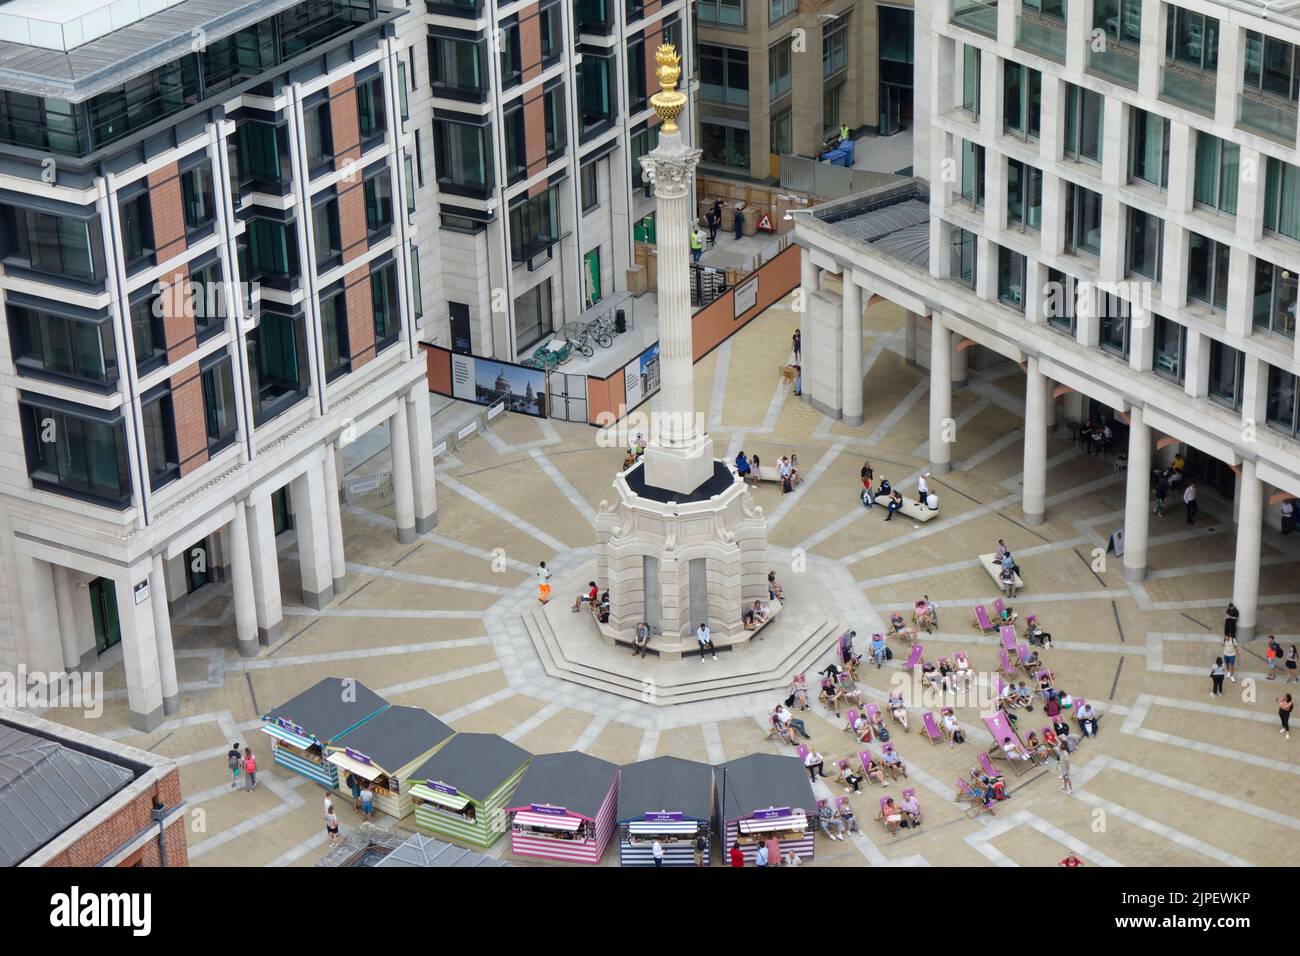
(1012, 750)
(813, 761)
(922, 488)
(706, 642)
(932, 501)
(1288, 515)
(1189, 499)
(787, 718)
(658, 851)
(953, 729)
(543, 582)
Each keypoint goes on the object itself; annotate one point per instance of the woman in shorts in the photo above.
(332, 824)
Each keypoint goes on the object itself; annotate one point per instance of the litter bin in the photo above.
(620, 322)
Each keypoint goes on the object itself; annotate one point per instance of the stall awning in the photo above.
(288, 737)
(343, 761)
(796, 821)
(457, 802)
(546, 821)
(665, 827)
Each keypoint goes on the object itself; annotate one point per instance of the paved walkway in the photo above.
(1177, 778)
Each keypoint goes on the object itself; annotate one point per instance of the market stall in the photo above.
(763, 796)
(666, 799)
(461, 791)
(301, 728)
(564, 808)
(385, 749)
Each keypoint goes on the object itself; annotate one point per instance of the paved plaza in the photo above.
(1176, 778)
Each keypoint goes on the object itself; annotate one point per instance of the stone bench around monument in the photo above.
(672, 649)
(916, 511)
(994, 569)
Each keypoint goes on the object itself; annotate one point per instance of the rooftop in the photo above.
(893, 220)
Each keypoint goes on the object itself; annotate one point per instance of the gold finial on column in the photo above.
(668, 103)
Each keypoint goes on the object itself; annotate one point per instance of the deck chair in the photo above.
(999, 607)
(913, 658)
(1005, 661)
(840, 804)
(967, 792)
(1000, 728)
(852, 715)
(802, 751)
(1008, 638)
(931, 727)
(1023, 655)
(886, 750)
(982, 622)
(774, 732)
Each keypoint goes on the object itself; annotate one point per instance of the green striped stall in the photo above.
(302, 727)
(461, 792)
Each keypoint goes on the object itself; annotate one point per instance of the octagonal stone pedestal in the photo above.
(647, 546)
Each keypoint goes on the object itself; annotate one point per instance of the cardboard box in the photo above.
(636, 280)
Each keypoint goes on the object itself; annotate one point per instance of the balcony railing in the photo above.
(1267, 115)
(1042, 35)
(1194, 89)
(1115, 61)
(978, 15)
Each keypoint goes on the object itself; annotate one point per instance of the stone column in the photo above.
(265, 564)
(43, 648)
(421, 437)
(1137, 499)
(67, 618)
(1245, 571)
(399, 441)
(139, 651)
(909, 339)
(241, 582)
(960, 361)
(334, 519)
(313, 537)
(809, 284)
(162, 633)
(1035, 473)
(682, 459)
(940, 396)
(851, 342)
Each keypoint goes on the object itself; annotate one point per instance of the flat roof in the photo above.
(475, 764)
(329, 709)
(576, 781)
(396, 736)
(665, 783)
(46, 787)
(893, 220)
(760, 781)
(721, 480)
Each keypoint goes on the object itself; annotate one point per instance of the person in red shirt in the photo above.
(737, 858)
(250, 770)
(589, 596)
(1072, 860)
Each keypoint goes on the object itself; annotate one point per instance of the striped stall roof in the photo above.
(279, 733)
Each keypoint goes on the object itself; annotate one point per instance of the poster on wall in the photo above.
(746, 296)
(641, 377)
(487, 381)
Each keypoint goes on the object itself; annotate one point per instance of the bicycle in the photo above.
(602, 330)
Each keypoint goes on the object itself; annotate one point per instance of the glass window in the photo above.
(1011, 278)
(597, 102)
(197, 196)
(972, 173)
(557, 136)
(1022, 99)
(964, 248)
(551, 28)
(1227, 374)
(724, 75)
(408, 174)
(1282, 199)
(1282, 412)
(590, 189)
(272, 249)
(1274, 306)
(137, 231)
(970, 79)
(370, 108)
(159, 426)
(533, 317)
(207, 298)
(1059, 302)
(1148, 148)
(384, 305)
(724, 144)
(143, 100)
(1115, 324)
(325, 231)
(1207, 271)
(1271, 66)
(463, 157)
(638, 93)
(147, 332)
(1217, 165)
(334, 331)
(1169, 360)
(729, 13)
(782, 133)
(778, 10)
(1082, 220)
(277, 363)
(1083, 123)
(218, 402)
(81, 349)
(835, 46)
(1192, 39)
(593, 16)
(417, 295)
(780, 75)
(83, 454)
(1024, 194)
(379, 202)
(1145, 244)
(319, 134)
(534, 225)
(262, 155)
(40, 123)
(511, 65)
(56, 245)
(642, 142)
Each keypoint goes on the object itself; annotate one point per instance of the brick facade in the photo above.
(168, 212)
(535, 134)
(191, 424)
(361, 320)
(530, 43)
(112, 834)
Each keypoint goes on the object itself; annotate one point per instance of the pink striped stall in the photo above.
(565, 808)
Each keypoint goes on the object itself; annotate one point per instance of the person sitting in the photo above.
(848, 818)
(1007, 615)
(860, 727)
(742, 466)
(774, 592)
(1024, 696)
(900, 628)
(952, 729)
(1087, 718)
(1033, 661)
(893, 763)
(930, 674)
(1013, 750)
(932, 501)
(961, 664)
(895, 503)
(890, 813)
(826, 817)
(588, 597)
(641, 639)
(922, 617)
(878, 649)
(705, 640)
(897, 708)
(851, 693)
(911, 807)
(784, 732)
(602, 609)
(1002, 550)
(832, 695)
(947, 678)
(815, 764)
(874, 771)
(799, 691)
(1045, 688)
(884, 489)
(878, 727)
(854, 780)
(1049, 737)
(747, 619)
(784, 715)
(629, 460)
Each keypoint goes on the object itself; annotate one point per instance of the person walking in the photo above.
(1230, 617)
(1284, 705)
(697, 245)
(701, 846)
(1189, 501)
(711, 221)
(797, 344)
(1162, 491)
(543, 582)
(1291, 675)
(331, 823)
(658, 851)
(1216, 678)
(1063, 770)
(250, 770)
(1274, 654)
(235, 761)
(1230, 656)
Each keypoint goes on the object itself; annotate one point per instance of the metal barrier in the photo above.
(356, 487)
(456, 438)
(804, 175)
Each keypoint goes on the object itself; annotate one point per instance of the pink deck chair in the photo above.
(998, 606)
(802, 751)
(872, 713)
(931, 727)
(982, 620)
(1009, 638)
(852, 715)
(1006, 662)
(977, 805)
(913, 658)
(987, 766)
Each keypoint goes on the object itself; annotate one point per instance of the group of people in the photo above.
(835, 823)
(891, 497)
(242, 763)
(1008, 571)
(749, 470)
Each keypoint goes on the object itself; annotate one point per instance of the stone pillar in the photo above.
(1245, 571)
(421, 437)
(334, 519)
(264, 561)
(960, 361)
(241, 582)
(1034, 483)
(1137, 500)
(809, 284)
(682, 459)
(909, 339)
(162, 632)
(313, 537)
(399, 441)
(851, 342)
(43, 647)
(940, 396)
(139, 651)
(67, 617)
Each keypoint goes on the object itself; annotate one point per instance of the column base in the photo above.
(853, 421)
(1033, 519)
(340, 585)
(1246, 632)
(266, 636)
(88, 660)
(171, 705)
(940, 467)
(248, 649)
(147, 722)
(427, 523)
(1135, 574)
(821, 406)
(911, 363)
(319, 599)
(405, 535)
